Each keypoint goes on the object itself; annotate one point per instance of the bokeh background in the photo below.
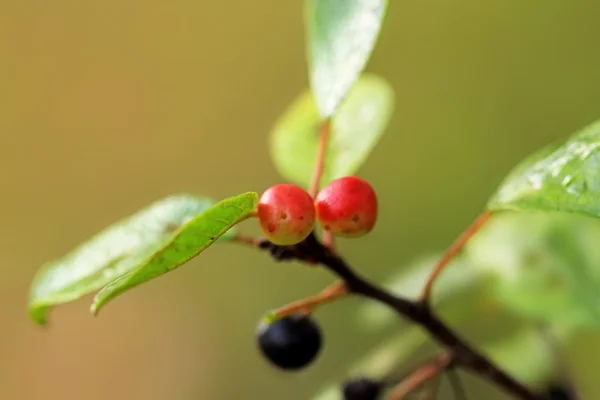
(108, 106)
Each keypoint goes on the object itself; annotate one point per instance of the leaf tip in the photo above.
(95, 308)
(38, 314)
(100, 301)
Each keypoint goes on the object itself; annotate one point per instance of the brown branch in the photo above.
(464, 355)
(452, 252)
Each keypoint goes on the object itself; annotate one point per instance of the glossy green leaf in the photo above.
(355, 130)
(189, 241)
(115, 251)
(544, 266)
(457, 280)
(341, 35)
(557, 178)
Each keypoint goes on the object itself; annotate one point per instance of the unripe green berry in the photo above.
(286, 214)
(347, 207)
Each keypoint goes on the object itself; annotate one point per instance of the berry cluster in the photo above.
(346, 207)
(290, 339)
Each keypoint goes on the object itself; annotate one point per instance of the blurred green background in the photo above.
(108, 106)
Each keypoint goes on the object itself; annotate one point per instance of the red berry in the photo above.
(286, 213)
(347, 207)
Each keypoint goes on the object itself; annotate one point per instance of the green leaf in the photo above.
(341, 35)
(115, 251)
(557, 178)
(189, 241)
(355, 130)
(526, 356)
(544, 266)
(458, 278)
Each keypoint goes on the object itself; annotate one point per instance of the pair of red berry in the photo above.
(346, 207)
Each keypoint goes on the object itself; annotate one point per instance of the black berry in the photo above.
(361, 389)
(291, 342)
(558, 393)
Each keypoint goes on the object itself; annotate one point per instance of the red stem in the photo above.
(452, 252)
(420, 376)
(329, 294)
(321, 153)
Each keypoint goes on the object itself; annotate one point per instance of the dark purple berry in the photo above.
(291, 342)
(361, 389)
(558, 393)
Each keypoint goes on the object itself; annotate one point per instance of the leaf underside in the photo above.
(116, 251)
(111, 253)
(544, 266)
(189, 241)
(341, 35)
(355, 130)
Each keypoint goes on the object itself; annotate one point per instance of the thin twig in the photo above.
(321, 154)
(307, 306)
(451, 253)
(457, 386)
(246, 239)
(464, 355)
(419, 376)
(435, 389)
(328, 239)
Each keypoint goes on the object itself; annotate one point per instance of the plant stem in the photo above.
(452, 252)
(459, 390)
(331, 293)
(247, 240)
(328, 239)
(463, 354)
(419, 376)
(321, 153)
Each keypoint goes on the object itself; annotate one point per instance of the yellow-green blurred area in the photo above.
(108, 106)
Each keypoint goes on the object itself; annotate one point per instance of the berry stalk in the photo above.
(457, 386)
(324, 133)
(452, 252)
(307, 306)
(419, 376)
